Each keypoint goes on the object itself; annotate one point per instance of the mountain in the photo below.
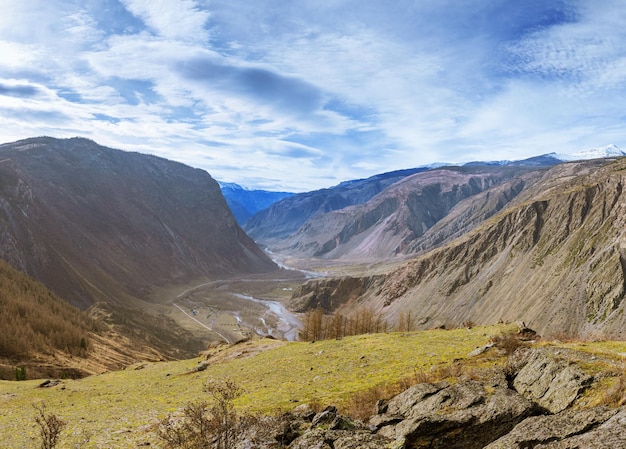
(98, 225)
(554, 257)
(606, 151)
(47, 337)
(397, 220)
(244, 202)
(284, 217)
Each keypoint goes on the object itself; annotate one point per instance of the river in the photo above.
(289, 323)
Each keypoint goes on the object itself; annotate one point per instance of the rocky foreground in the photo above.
(536, 401)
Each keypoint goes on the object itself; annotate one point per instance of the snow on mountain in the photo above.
(611, 150)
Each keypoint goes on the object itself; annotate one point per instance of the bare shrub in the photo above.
(205, 423)
(469, 324)
(50, 426)
(362, 405)
(507, 341)
(224, 417)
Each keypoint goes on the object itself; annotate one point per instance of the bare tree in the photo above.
(224, 422)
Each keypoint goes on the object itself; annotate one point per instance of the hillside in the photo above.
(553, 258)
(98, 225)
(465, 393)
(276, 375)
(45, 336)
(397, 220)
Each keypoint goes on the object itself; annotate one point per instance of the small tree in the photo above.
(50, 427)
(20, 373)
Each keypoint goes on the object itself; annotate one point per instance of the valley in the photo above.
(235, 309)
(150, 286)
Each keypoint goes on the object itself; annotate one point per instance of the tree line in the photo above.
(34, 320)
(317, 325)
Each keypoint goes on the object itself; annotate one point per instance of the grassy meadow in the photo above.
(120, 409)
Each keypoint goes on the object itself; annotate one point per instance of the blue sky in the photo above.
(299, 95)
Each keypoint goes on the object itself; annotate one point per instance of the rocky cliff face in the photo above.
(286, 216)
(397, 220)
(97, 224)
(553, 258)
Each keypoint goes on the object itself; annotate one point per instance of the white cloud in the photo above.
(313, 93)
(172, 19)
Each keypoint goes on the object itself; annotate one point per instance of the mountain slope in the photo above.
(393, 221)
(46, 336)
(554, 258)
(283, 218)
(120, 230)
(97, 224)
(244, 203)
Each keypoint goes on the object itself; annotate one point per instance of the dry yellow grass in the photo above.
(118, 409)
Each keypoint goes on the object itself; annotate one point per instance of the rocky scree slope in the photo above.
(553, 258)
(398, 219)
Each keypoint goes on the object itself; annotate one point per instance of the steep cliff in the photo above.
(554, 258)
(97, 224)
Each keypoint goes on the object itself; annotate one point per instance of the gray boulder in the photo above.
(340, 439)
(609, 435)
(466, 415)
(552, 383)
(538, 430)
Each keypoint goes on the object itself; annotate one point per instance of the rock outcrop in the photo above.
(465, 415)
(512, 409)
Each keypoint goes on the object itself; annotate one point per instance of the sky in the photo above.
(297, 95)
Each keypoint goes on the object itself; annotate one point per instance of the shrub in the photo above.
(20, 373)
(50, 427)
(205, 424)
(507, 341)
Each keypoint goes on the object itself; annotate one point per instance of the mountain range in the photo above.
(244, 203)
(119, 235)
(546, 247)
(390, 214)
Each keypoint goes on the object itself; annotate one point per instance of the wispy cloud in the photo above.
(300, 95)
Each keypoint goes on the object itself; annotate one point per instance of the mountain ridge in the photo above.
(554, 259)
(244, 203)
(98, 225)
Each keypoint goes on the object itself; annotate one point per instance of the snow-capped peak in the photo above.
(611, 150)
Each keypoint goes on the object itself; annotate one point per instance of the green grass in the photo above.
(117, 409)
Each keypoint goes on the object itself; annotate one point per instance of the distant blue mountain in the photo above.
(244, 203)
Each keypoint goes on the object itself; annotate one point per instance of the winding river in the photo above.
(289, 323)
